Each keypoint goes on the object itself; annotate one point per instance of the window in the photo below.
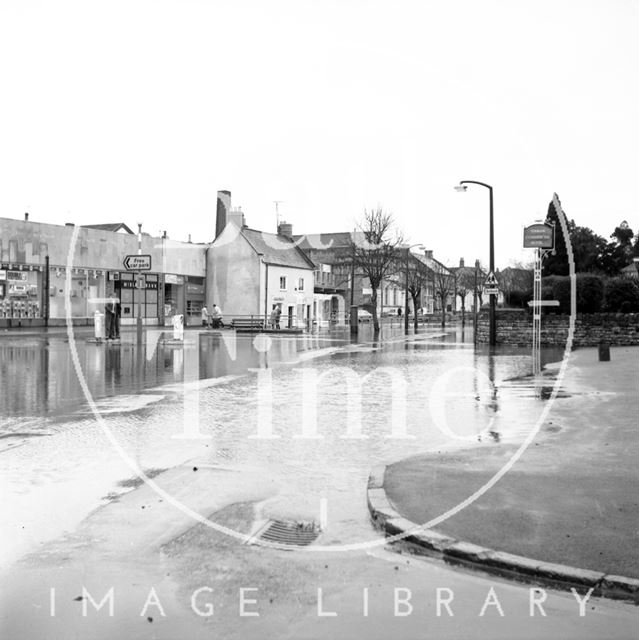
(283, 283)
(300, 284)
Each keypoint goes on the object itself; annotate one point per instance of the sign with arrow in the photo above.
(137, 262)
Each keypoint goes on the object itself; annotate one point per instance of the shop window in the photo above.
(193, 307)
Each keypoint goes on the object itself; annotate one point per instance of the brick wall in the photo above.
(514, 326)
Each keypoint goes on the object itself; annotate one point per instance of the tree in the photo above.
(619, 252)
(443, 286)
(556, 263)
(464, 284)
(417, 275)
(376, 254)
(588, 250)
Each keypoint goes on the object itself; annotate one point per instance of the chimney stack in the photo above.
(461, 262)
(237, 218)
(285, 229)
(223, 209)
(429, 253)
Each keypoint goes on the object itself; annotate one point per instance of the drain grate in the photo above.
(288, 533)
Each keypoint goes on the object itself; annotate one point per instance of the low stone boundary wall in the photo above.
(514, 327)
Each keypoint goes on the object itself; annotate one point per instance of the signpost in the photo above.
(540, 237)
(491, 286)
(137, 263)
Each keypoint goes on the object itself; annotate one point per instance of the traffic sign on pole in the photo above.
(491, 281)
(137, 263)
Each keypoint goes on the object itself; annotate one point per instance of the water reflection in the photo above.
(38, 379)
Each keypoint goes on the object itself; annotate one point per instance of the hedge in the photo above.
(621, 295)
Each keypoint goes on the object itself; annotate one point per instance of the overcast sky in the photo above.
(140, 110)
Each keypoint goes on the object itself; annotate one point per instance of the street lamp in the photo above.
(493, 300)
(139, 287)
(412, 246)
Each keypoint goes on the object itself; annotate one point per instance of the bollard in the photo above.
(354, 320)
(604, 351)
(98, 325)
(178, 327)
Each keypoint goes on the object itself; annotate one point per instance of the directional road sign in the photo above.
(491, 291)
(137, 262)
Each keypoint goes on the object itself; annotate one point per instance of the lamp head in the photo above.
(461, 187)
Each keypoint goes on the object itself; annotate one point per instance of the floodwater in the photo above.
(310, 413)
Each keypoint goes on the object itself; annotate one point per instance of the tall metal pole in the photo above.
(139, 287)
(475, 303)
(406, 294)
(493, 299)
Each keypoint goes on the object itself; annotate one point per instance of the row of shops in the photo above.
(27, 292)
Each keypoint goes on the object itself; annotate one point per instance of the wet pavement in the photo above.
(195, 417)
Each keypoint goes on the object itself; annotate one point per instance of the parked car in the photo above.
(364, 316)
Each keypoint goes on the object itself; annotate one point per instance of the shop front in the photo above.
(195, 293)
(132, 295)
(20, 291)
(174, 296)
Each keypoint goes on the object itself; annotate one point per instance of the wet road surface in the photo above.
(199, 412)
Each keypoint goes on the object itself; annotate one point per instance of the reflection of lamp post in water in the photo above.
(493, 298)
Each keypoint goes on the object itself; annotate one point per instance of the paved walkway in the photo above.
(573, 497)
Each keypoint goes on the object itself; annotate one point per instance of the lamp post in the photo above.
(493, 300)
(412, 246)
(475, 303)
(139, 287)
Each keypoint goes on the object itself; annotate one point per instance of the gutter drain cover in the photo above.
(289, 533)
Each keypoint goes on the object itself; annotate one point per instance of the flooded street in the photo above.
(310, 414)
(230, 432)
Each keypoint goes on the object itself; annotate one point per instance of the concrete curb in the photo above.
(415, 539)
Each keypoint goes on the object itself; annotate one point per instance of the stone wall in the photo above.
(514, 327)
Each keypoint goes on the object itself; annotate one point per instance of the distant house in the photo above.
(467, 280)
(441, 280)
(114, 227)
(630, 271)
(250, 272)
(334, 277)
(333, 253)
